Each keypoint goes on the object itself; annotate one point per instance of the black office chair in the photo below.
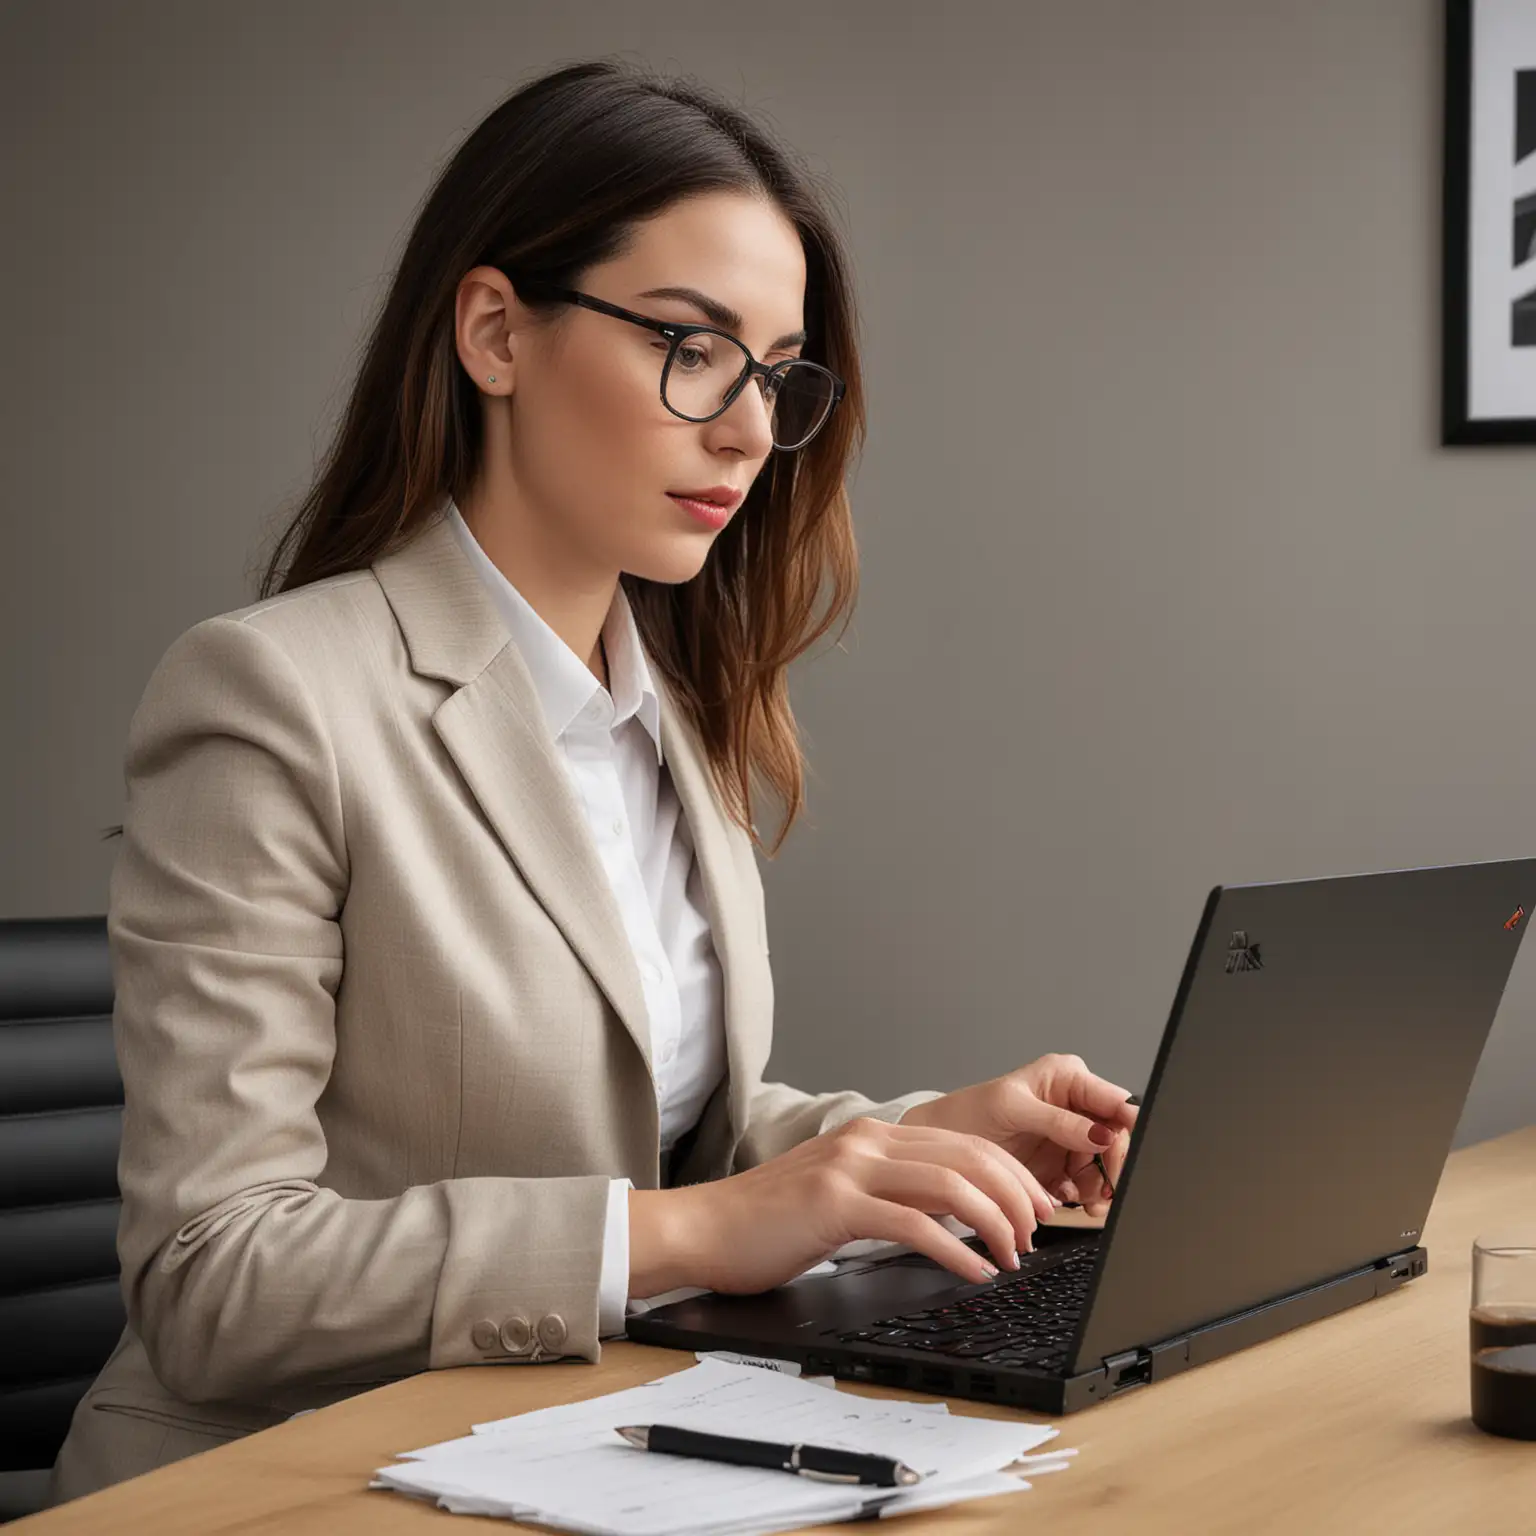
(60, 1122)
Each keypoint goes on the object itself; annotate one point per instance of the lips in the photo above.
(714, 515)
(723, 496)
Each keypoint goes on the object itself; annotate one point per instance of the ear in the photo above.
(488, 317)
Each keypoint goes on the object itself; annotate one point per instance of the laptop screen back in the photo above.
(1306, 1091)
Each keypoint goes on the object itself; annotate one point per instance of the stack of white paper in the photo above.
(565, 1467)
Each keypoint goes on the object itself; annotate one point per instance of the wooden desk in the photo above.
(1357, 1423)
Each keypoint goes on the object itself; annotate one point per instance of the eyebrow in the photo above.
(719, 314)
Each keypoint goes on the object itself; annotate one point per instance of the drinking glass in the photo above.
(1503, 1333)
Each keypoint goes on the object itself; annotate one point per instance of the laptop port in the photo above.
(885, 1373)
(1128, 1370)
(983, 1384)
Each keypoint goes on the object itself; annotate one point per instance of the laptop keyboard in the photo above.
(1020, 1320)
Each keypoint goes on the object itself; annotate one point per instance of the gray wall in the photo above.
(1166, 580)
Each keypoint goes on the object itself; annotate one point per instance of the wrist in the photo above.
(666, 1249)
(922, 1114)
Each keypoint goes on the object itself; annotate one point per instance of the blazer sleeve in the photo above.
(781, 1117)
(241, 1273)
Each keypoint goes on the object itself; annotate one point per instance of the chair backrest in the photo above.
(61, 1310)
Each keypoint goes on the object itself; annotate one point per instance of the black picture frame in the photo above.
(1461, 422)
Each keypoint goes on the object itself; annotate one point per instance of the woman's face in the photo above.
(580, 453)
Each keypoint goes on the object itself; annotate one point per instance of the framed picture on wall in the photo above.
(1489, 300)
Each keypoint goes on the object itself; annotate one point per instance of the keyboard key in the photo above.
(973, 1351)
(1018, 1356)
(1013, 1320)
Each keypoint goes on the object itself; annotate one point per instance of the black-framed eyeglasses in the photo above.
(707, 368)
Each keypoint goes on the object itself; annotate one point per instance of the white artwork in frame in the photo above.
(1489, 319)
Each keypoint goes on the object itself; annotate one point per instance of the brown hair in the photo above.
(551, 183)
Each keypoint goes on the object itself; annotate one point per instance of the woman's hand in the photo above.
(1052, 1116)
(866, 1179)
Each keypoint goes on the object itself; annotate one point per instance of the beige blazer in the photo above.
(381, 1032)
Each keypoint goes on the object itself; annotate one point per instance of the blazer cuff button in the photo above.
(553, 1332)
(516, 1335)
(483, 1334)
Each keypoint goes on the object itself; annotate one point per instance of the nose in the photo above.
(746, 425)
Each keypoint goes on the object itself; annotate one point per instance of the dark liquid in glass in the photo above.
(1504, 1371)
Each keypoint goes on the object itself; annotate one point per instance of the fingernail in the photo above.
(1055, 1201)
(1013, 1263)
(989, 1270)
(1100, 1135)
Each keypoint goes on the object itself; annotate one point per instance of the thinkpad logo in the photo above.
(1241, 955)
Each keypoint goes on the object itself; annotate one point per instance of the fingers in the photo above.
(1115, 1155)
(1059, 1098)
(985, 1164)
(1101, 1099)
(950, 1173)
(1113, 1158)
(1065, 1081)
(1095, 1192)
(898, 1223)
(1063, 1126)
(1041, 1200)
(933, 1188)
(1098, 1190)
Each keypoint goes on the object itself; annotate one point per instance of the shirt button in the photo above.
(618, 828)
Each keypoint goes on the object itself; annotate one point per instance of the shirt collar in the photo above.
(564, 683)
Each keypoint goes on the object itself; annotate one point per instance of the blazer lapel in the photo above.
(494, 729)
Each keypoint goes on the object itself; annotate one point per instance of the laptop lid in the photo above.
(1310, 1079)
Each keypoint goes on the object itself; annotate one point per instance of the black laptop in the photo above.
(1309, 1081)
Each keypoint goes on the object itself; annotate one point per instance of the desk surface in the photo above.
(1355, 1423)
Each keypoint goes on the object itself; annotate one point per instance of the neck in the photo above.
(572, 599)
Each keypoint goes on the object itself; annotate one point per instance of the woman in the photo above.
(443, 993)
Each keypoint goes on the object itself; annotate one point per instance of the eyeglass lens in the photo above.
(706, 366)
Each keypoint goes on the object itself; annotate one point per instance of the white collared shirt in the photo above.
(610, 744)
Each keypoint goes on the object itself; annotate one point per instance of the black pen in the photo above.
(822, 1462)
